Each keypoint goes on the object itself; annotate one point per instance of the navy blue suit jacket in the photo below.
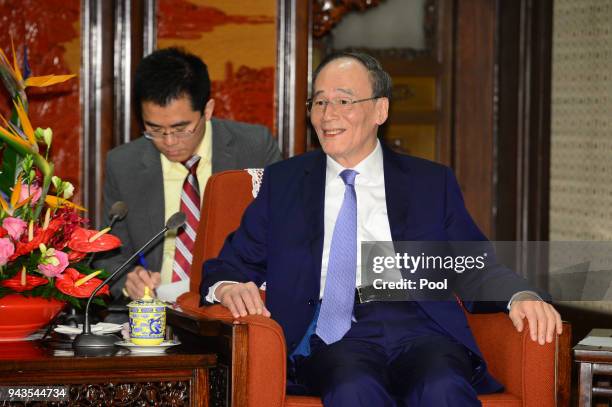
(280, 241)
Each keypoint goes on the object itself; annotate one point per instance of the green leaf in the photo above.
(10, 82)
(99, 301)
(48, 173)
(10, 163)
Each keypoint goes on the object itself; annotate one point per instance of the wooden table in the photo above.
(593, 362)
(178, 377)
(229, 381)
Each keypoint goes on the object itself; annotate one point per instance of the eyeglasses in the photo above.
(178, 134)
(342, 104)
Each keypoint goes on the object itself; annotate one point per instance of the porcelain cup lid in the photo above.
(146, 301)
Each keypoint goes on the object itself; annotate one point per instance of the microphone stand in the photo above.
(86, 339)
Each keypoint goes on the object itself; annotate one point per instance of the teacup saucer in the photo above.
(161, 348)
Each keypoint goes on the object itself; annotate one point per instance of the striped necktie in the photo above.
(185, 237)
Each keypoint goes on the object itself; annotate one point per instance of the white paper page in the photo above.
(170, 292)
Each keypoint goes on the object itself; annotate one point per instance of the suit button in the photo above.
(311, 302)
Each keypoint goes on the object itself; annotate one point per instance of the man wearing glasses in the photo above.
(348, 351)
(166, 170)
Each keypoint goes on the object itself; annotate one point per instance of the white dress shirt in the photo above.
(372, 219)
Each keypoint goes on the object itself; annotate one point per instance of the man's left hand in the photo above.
(543, 319)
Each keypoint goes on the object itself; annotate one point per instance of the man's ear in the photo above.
(382, 110)
(209, 108)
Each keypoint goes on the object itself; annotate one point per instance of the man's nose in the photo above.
(169, 138)
(329, 111)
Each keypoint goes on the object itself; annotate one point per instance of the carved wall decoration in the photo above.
(327, 13)
(218, 386)
(237, 42)
(322, 26)
(131, 394)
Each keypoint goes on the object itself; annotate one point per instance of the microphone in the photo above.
(117, 212)
(88, 340)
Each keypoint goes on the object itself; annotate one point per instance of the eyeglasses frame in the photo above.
(185, 134)
(310, 100)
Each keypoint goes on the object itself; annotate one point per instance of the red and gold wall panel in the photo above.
(50, 31)
(237, 40)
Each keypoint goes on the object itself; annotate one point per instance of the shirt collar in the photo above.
(370, 169)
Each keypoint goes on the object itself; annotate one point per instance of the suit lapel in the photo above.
(222, 157)
(152, 199)
(314, 204)
(397, 193)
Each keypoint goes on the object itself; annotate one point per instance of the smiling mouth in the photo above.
(332, 132)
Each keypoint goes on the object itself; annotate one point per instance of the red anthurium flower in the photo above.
(75, 257)
(16, 283)
(85, 240)
(40, 236)
(73, 283)
(26, 247)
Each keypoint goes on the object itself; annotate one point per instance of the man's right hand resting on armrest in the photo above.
(241, 299)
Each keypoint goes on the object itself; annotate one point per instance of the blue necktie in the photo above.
(339, 293)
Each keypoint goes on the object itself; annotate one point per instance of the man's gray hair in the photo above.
(380, 79)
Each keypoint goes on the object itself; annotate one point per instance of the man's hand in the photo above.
(543, 319)
(241, 299)
(138, 279)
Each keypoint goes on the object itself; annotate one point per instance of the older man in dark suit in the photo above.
(301, 236)
(167, 169)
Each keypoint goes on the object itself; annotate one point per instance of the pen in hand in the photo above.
(143, 262)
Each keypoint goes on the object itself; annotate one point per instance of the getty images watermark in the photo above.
(405, 271)
(408, 263)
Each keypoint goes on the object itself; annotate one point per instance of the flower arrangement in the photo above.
(43, 238)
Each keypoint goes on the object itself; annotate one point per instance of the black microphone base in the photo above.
(94, 341)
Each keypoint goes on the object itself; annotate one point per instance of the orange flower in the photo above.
(15, 78)
(78, 285)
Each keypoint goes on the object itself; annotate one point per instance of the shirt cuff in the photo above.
(516, 296)
(210, 297)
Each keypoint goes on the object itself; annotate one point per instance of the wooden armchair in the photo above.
(533, 375)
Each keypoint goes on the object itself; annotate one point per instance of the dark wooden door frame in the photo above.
(501, 110)
(523, 137)
(522, 142)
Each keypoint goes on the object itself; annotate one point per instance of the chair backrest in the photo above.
(226, 196)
